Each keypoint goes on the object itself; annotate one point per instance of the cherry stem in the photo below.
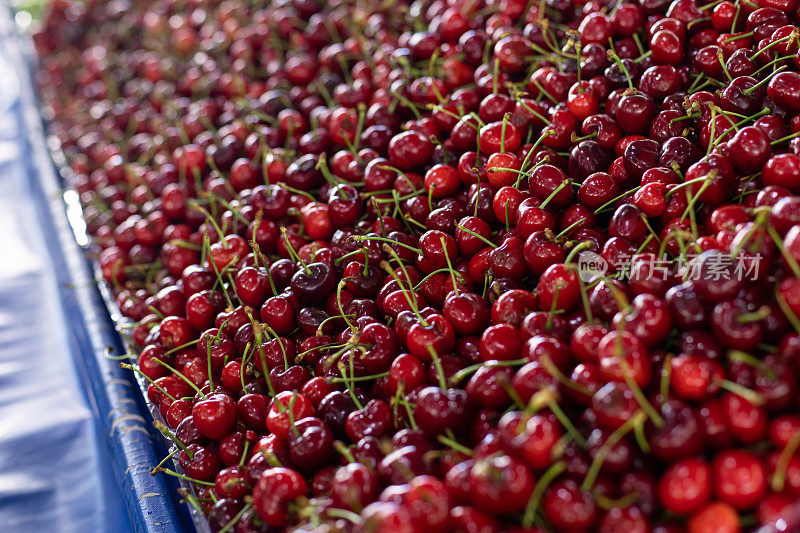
(738, 37)
(292, 251)
(787, 311)
(411, 301)
(683, 185)
(547, 478)
(148, 379)
(160, 426)
(721, 59)
(236, 518)
(760, 314)
(342, 449)
(449, 266)
(615, 58)
(452, 443)
(606, 503)
(666, 372)
(740, 390)
(751, 90)
(358, 238)
(553, 194)
(549, 324)
(197, 207)
(437, 363)
(170, 455)
(359, 378)
(779, 477)
(594, 469)
(787, 138)
(524, 166)
(569, 228)
(616, 199)
(349, 383)
(344, 514)
(576, 250)
(464, 372)
(748, 359)
(187, 478)
(574, 138)
(401, 399)
(481, 237)
(208, 368)
(562, 417)
(184, 378)
(339, 288)
(790, 260)
(640, 397)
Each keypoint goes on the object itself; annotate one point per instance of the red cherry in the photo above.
(740, 480)
(276, 488)
(685, 486)
(215, 416)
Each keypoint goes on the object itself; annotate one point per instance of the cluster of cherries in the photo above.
(349, 235)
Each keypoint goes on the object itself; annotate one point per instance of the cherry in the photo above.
(310, 443)
(624, 346)
(680, 434)
(500, 342)
(558, 288)
(728, 323)
(215, 416)
(749, 149)
(782, 89)
(436, 334)
(532, 438)
(624, 519)
(746, 421)
(613, 404)
(442, 181)
(276, 488)
(695, 377)
(739, 478)
(634, 113)
(685, 486)
(566, 506)
(500, 484)
(374, 420)
(782, 170)
(354, 487)
(386, 516)
(467, 312)
(715, 516)
(312, 282)
(286, 408)
(199, 462)
(409, 149)
(438, 410)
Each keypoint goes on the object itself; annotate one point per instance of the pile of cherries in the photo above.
(353, 238)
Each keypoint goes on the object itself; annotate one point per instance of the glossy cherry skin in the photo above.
(438, 410)
(203, 464)
(740, 479)
(685, 486)
(374, 420)
(276, 488)
(215, 416)
(354, 487)
(310, 443)
(500, 484)
(278, 420)
(566, 506)
(313, 282)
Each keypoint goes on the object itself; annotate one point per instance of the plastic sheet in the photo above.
(76, 443)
